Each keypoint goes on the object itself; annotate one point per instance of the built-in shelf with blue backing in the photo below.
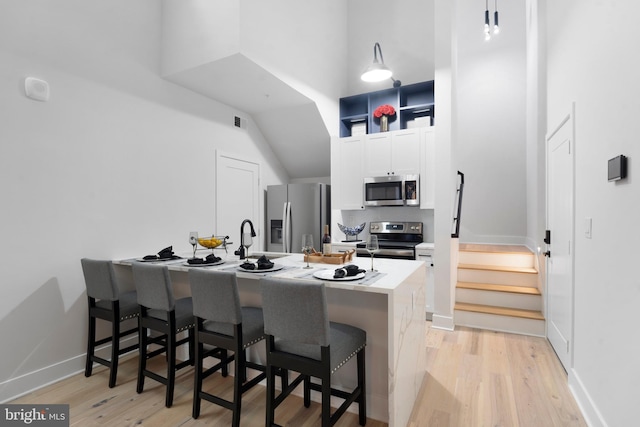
(414, 101)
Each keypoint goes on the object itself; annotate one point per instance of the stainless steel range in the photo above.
(396, 239)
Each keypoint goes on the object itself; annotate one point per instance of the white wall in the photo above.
(536, 124)
(405, 31)
(119, 163)
(284, 62)
(592, 61)
(191, 33)
(302, 44)
(446, 56)
(491, 138)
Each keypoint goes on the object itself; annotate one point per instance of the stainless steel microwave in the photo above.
(392, 190)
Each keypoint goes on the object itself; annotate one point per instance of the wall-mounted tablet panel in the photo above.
(617, 168)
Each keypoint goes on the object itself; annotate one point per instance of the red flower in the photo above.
(384, 110)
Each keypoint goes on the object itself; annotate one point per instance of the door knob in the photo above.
(547, 254)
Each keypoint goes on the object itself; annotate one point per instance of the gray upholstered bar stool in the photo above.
(106, 302)
(221, 322)
(161, 312)
(301, 338)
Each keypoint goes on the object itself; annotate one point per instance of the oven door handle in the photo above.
(400, 253)
(397, 252)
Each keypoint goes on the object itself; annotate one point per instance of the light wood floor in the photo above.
(474, 378)
(485, 378)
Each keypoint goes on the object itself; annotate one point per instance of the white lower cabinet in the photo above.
(426, 255)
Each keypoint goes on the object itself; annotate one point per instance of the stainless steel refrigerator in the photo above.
(294, 210)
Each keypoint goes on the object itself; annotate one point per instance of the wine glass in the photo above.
(372, 247)
(193, 240)
(247, 241)
(307, 246)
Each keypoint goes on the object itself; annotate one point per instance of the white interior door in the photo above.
(560, 222)
(237, 199)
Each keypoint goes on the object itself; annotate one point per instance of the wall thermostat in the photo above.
(617, 168)
(36, 89)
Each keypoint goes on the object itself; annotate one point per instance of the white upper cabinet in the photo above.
(347, 173)
(377, 154)
(405, 152)
(392, 153)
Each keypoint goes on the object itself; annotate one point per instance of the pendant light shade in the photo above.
(377, 71)
(487, 28)
(487, 23)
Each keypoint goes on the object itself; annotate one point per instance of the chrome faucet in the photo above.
(240, 251)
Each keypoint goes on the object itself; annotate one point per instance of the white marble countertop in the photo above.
(425, 245)
(389, 274)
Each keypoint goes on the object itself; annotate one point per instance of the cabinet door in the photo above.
(405, 152)
(428, 168)
(377, 154)
(347, 173)
(427, 257)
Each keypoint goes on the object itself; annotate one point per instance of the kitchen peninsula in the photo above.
(387, 304)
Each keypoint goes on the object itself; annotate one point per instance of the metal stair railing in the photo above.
(458, 207)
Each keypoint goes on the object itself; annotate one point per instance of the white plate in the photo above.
(186, 264)
(275, 267)
(328, 275)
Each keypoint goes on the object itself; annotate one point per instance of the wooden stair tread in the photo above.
(507, 249)
(528, 270)
(501, 311)
(528, 290)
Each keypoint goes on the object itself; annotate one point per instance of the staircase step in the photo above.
(501, 311)
(498, 322)
(516, 258)
(498, 288)
(498, 277)
(522, 297)
(479, 247)
(509, 269)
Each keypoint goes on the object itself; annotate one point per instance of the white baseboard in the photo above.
(442, 322)
(590, 412)
(14, 388)
(24, 384)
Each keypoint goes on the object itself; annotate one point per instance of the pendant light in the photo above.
(487, 28)
(377, 71)
(496, 27)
